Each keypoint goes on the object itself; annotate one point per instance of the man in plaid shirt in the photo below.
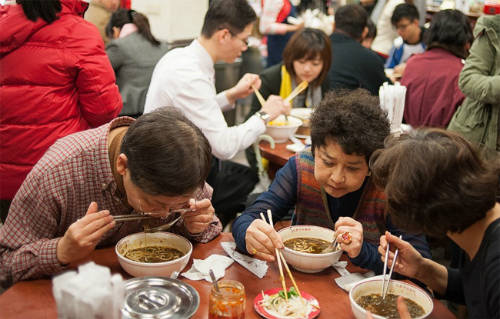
(154, 164)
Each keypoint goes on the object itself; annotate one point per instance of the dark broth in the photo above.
(153, 254)
(388, 306)
(307, 244)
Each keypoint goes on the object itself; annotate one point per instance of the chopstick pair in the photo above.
(385, 286)
(301, 87)
(280, 259)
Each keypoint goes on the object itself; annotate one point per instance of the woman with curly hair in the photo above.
(329, 184)
(437, 183)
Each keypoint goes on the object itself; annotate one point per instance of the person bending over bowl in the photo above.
(65, 207)
(329, 184)
(437, 183)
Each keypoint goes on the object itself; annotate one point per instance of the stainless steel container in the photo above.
(159, 298)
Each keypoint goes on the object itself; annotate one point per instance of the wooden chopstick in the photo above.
(270, 217)
(259, 96)
(301, 87)
(278, 260)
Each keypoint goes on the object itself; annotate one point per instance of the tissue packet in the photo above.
(255, 266)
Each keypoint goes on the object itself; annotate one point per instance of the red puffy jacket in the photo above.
(55, 79)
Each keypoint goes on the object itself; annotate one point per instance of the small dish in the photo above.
(263, 312)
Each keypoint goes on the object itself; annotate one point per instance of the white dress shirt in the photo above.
(184, 78)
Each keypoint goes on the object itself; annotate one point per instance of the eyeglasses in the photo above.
(244, 41)
(402, 26)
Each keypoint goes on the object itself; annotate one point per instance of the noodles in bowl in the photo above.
(304, 247)
(153, 254)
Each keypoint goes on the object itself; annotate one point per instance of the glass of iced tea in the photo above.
(228, 302)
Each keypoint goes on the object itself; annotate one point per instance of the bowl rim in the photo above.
(302, 254)
(164, 263)
(299, 123)
(379, 278)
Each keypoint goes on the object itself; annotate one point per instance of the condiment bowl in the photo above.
(374, 286)
(140, 269)
(308, 262)
(280, 129)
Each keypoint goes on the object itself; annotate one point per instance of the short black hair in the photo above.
(353, 119)
(450, 30)
(402, 11)
(351, 19)
(435, 181)
(166, 153)
(44, 9)
(372, 29)
(233, 15)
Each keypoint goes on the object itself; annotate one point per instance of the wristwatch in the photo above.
(263, 116)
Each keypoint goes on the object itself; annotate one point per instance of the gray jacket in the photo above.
(133, 58)
(477, 118)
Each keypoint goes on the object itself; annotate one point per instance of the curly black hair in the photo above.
(436, 182)
(353, 119)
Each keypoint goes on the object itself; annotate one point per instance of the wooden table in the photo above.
(277, 156)
(33, 299)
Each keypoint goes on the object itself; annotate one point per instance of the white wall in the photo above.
(173, 20)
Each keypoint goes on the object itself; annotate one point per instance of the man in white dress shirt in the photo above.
(185, 78)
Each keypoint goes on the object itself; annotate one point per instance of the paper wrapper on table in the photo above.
(392, 100)
(347, 279)
(255, 266)
(92, 292)
(201, 267)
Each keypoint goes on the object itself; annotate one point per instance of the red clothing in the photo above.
(432, 94)
(55, 80)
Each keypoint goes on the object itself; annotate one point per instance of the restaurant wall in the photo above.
(173, 20)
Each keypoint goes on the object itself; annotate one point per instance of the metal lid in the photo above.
(159, 298)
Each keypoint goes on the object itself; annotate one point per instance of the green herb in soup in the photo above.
(153, 254)
(388, 307)
(307, 245)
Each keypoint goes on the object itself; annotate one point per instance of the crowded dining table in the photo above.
(34, 299)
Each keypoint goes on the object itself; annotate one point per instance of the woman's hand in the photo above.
(83, 235)
(355, 229)
(409, 259)
(200, 217)
(261, 240)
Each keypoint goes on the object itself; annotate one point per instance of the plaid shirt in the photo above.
(74, 172)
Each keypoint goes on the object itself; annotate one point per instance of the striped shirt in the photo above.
(58, 191)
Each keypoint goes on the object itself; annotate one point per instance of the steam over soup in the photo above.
(388, 307)
(307, 244)
(153, 254)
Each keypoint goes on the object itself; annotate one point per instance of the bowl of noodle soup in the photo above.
(304, 246)
(153, 254)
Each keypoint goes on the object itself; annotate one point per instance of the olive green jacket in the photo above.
(477, 118)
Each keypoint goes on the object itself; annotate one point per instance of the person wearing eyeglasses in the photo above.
(65, 207)
(405, 20)
(184, 78)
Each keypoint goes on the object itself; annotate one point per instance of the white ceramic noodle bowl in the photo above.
(140, 269)
(281, 133)
(396, 287)
(306, 262)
